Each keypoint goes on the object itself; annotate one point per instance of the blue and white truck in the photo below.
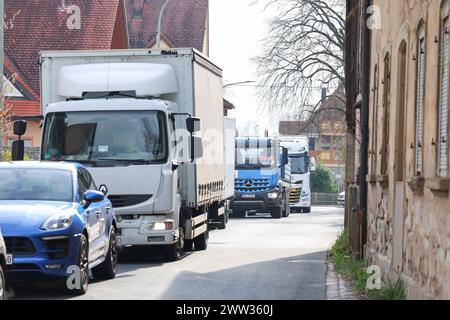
(301, 165)
(262, 177)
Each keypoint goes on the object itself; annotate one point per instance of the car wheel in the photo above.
(108, 268)
(276, 212)
(2, 284)
(174, 252)
(83, 267)
(201, 241)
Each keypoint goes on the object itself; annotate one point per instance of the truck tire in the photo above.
(174, 252)
(276, 212)
(239, 213)
(2, 284)
(287, 208)
(107, 270)
(222, 221)
(201, 241)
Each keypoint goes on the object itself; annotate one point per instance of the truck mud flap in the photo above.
(196, 226)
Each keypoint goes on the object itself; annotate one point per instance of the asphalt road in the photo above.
(254, 258)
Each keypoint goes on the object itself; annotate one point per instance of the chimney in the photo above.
(324, 94)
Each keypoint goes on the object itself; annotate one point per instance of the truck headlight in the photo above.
(272, 195)
(57, 222)
(160, 226)
(305, 194)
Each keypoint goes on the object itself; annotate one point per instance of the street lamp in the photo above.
(158, 33)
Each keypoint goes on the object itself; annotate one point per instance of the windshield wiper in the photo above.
(140, 161)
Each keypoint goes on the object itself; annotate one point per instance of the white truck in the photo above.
(149, 126)
(301, 165)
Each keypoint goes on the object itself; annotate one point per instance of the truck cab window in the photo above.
(107, 138)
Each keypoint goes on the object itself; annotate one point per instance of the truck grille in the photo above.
(252, 185)
(19, 246)
(120, 201)
(294, 195)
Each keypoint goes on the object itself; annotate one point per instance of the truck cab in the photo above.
(260, 184)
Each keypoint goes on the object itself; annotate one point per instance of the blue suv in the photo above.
(56, 224)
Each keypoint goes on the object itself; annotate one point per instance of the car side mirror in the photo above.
(92, 196)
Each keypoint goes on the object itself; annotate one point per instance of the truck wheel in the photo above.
(174, 251)
(201, 242)
(276, 212)
(2, 284)
(287, 209)
(107, 269)
(222, 221)
(239, 213)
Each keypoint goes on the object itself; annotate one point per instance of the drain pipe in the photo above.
(366, 48)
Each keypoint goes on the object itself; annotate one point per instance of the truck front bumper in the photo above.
(147, 230)
(255, 200)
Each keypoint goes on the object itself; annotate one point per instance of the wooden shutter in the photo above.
(443, 104)
(420, 101)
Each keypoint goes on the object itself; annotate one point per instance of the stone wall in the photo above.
(409, 218)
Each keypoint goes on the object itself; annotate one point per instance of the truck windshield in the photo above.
(299, 164)
(249, 158)
(106, 138)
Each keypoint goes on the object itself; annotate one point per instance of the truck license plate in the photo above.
(248, 196)
(9, 259)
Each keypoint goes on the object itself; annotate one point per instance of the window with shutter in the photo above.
(420, 101)
(443, 101)
(386, 107)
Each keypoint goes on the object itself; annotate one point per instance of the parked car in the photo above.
(3, 258)
(341, 200)
(56, 224)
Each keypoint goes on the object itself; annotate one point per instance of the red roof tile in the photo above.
(42, 25)
(183, 24)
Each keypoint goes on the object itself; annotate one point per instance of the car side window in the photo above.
(82, 184)
(89, 181)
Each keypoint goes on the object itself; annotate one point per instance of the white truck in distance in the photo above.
(149, 126)
(301, 167)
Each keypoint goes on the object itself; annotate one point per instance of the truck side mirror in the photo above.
(18, 150)
(285, 156)
(20, 127)
(193, 124)
(196, 148)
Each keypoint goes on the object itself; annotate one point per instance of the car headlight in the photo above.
(58, 221)
(272, 195)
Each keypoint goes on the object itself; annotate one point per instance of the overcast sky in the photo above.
(236, 31)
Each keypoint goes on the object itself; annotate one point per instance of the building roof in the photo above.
(184, 23)
(25, 37)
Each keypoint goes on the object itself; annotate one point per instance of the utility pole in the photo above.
(158, 34)
(1, 68)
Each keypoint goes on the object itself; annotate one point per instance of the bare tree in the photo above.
(304, 52)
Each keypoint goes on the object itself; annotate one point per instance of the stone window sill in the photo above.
(416, 184)
(438, 186)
